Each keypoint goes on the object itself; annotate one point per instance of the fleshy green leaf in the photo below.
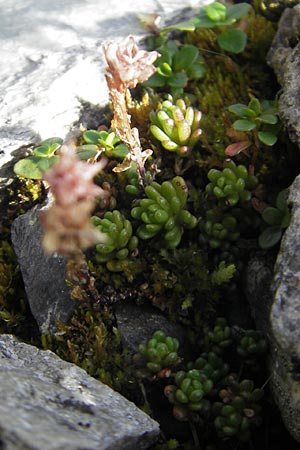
(178, 80)
(268, 118)
(165, 70)
(281, 200)
(267, 138)
(216, 11)
(156, 80)
(196, 71)
(233, 41)
(53, 140)
(185, 56)
(28, 168)
(237, 11)
(188, 25)
(46, 163)
(270, 237)
(87, 151)
(255, 105)
(120, 151)
(243, 125)
(238, 109)
(91, 136)
(272, 216)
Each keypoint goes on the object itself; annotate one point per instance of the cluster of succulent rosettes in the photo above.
(162, 211)
(219, 228)
(219, 337)
(211, 364)
(158, 354)
(176, 126)
(120, 241)
(238, 411)
(188, 392)
(251, 344)
(233, 184)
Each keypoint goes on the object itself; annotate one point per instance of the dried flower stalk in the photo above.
(127, 66)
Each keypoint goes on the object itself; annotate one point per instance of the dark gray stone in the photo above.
(258, 281)
(44, 276)
(284, 58)
(138, 323)
(49, 404)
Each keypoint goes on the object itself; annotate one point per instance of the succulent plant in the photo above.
(176, 126)
(97, 141)
(251, 343)
(162, 211)
(176, 66)
(233, 184)
(188, 392)
(44, 156)
(219, 228)
(211, 364)
(159, 352)
(120, 240)
(259, 118)
(239, 411)
(219, 337)
(278, 218)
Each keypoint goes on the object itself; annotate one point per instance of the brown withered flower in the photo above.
(127, 65)
(66, 222)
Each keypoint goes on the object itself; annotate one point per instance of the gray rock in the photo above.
(49, 404)
(43, 276)
(54, 62)
(284, 58)
(274, 297)
(285, 313)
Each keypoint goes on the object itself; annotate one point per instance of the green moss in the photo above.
(91, 341)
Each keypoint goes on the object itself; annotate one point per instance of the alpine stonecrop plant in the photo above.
(187, 393)
(158, 353)
(119, 242)
(219, 228)
(233, 184)
(163, 211)
(239, 411)
(176, 126)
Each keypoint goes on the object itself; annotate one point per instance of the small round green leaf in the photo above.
(28, 168)
(270, 237)
(233, 41)
(272, 216)
(184, 57)
(267, 138)
(243, 125)
(87, 151)
(92, 137)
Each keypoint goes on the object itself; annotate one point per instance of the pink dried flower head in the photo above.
(66, 222)
(71, 180)
(127, 65)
